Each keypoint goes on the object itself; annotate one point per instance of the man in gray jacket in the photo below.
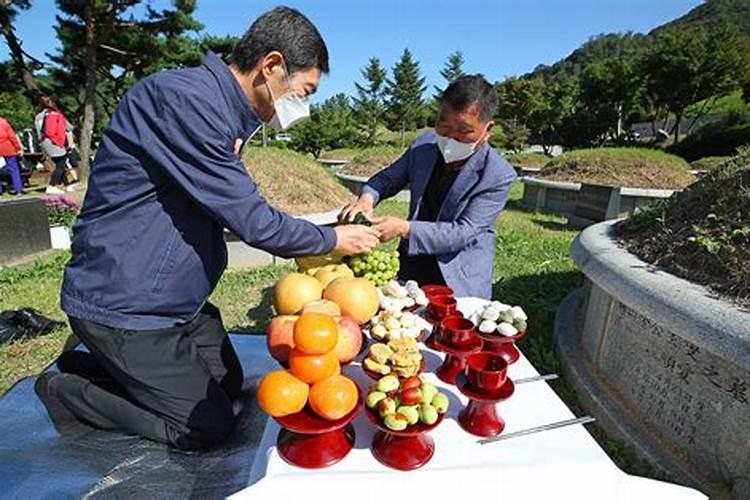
(459, 185)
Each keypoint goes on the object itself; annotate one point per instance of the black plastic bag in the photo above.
(25, 323)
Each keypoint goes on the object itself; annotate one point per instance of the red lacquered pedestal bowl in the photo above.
(455, 359)
(404, 450)
(312, 442)
(480, 417)
(441, 307)
(436, 333)
(504, 346)
(435, 290)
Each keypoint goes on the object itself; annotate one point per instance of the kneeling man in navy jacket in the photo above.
(148, 246)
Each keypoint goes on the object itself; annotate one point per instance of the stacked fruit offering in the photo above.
(355, 297)
(407, 402)
(313, 376)
(351, 301)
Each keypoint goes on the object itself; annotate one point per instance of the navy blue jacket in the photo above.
(148, 246)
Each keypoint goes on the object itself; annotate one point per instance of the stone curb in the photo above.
(672, 302)
(354, 184)
(564, 186)
(599, 400)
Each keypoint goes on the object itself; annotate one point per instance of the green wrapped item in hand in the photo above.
(360, 219)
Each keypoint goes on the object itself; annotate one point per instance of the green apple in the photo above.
(427, 414)
(440, 402)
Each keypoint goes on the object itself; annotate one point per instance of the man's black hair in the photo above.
(468, 90)
(285, 30)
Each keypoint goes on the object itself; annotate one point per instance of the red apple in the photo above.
(410, 382)
(350, 339)
(280, 337)
(411, 396)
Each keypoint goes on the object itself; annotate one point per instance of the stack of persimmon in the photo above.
(314, 374)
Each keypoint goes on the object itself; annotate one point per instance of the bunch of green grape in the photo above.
(378, 266)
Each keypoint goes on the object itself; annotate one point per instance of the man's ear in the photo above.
(490, 126)
(271, 62)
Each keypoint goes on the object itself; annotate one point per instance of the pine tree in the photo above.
(405, 93)
(105, 49)
(9, 9)
(331, 126)
(452, 69)
(369, 105)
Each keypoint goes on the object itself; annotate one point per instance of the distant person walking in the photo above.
(56, 135)
(10, 150)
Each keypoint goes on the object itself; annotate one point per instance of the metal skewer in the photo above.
(551, 376)
(541, 428)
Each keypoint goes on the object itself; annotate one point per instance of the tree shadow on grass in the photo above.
(539, 295)
(258, 316)
(553, 225)
(516, 204)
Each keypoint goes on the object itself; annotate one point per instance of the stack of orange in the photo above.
(314, 374)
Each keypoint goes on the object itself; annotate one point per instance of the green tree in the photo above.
(23, 63)
(221, 45)
(611, 92)
(105, 48)
(14, 104)
(509, 135)
(452, 69)
(540, 104)
(15, 108)
(331, 125)
(684, 66)
(369, 105)
(405, 94)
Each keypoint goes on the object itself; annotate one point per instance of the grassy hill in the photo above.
(628, 167)
(370, 161)
(703, 234)
(294, 182)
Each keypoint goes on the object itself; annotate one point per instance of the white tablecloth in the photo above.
(562, 463)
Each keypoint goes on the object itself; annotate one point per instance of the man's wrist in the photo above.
(405, 227)
(366, 200)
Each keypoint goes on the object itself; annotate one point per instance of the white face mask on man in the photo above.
(289, 109)
(453, 150)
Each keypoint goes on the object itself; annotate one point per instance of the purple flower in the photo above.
(62, 202)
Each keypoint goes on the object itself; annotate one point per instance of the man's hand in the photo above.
(355, 239)
(364, 204)
(391, 227)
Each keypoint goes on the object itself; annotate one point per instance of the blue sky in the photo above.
(499, 38)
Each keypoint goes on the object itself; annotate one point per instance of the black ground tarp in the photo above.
(36, 462)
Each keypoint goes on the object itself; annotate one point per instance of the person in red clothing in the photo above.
(56, 136)
(10, 150)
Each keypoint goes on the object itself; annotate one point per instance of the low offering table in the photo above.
(561, 463)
